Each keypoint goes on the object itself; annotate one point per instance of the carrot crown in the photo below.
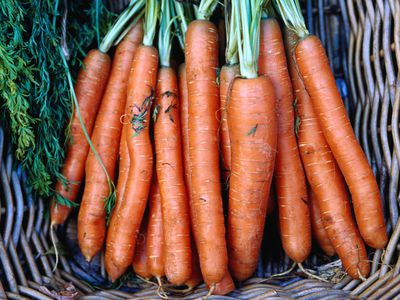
(205, 9)
(150, 21)
(116, 34)
(292, 16)
(247, 25)
(231, 52)
(164, 33)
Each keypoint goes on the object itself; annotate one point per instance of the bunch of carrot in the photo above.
(272, 115)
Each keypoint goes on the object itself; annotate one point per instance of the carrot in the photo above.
(326, 182)
(291, 190)
(336, 127)
(140, 262)
(321, 86)
(155, 234)
(127, 217)
(105, 137)
(228, 73)
(253, 132)
(123, 166)
(225, 286)
(317, 226)
(201, 55)
(196, 277)
(175, 206)
(169, 163)
(89, 88)
(184, 116)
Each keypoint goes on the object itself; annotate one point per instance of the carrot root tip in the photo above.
(54, 243)
(309, 274)
(211, 291)
(160, 290)
(284, 272)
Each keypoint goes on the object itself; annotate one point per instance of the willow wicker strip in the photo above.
(362, 39)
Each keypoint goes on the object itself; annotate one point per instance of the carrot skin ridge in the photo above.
(321, 86)
(127, 216)
(294, 216)
(105, 137)
(89, 88)
(201, 55)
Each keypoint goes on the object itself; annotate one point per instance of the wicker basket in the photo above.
(362, 39)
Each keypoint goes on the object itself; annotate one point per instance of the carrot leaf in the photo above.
(156, 110)
(59, 199)
(139, 114)
(184, 13)
(252, 131)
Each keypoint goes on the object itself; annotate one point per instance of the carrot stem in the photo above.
(135, 8)
(164, 34)
(150, 21)
(248, 19)
(291, 14)
(205, 9)
(181, 23)
(231, 52)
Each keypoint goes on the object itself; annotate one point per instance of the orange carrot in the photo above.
(291, 190)
(336, 127)
(123, 166)
(253, 131)
(89, 88)
(227, 75)
(201, 54)
(326, 182)
(184, 115)
(196, 277)
(105, 137)
(317, 226)
(155, 234)
(126, 218)
(169, 164)
(140, 262)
